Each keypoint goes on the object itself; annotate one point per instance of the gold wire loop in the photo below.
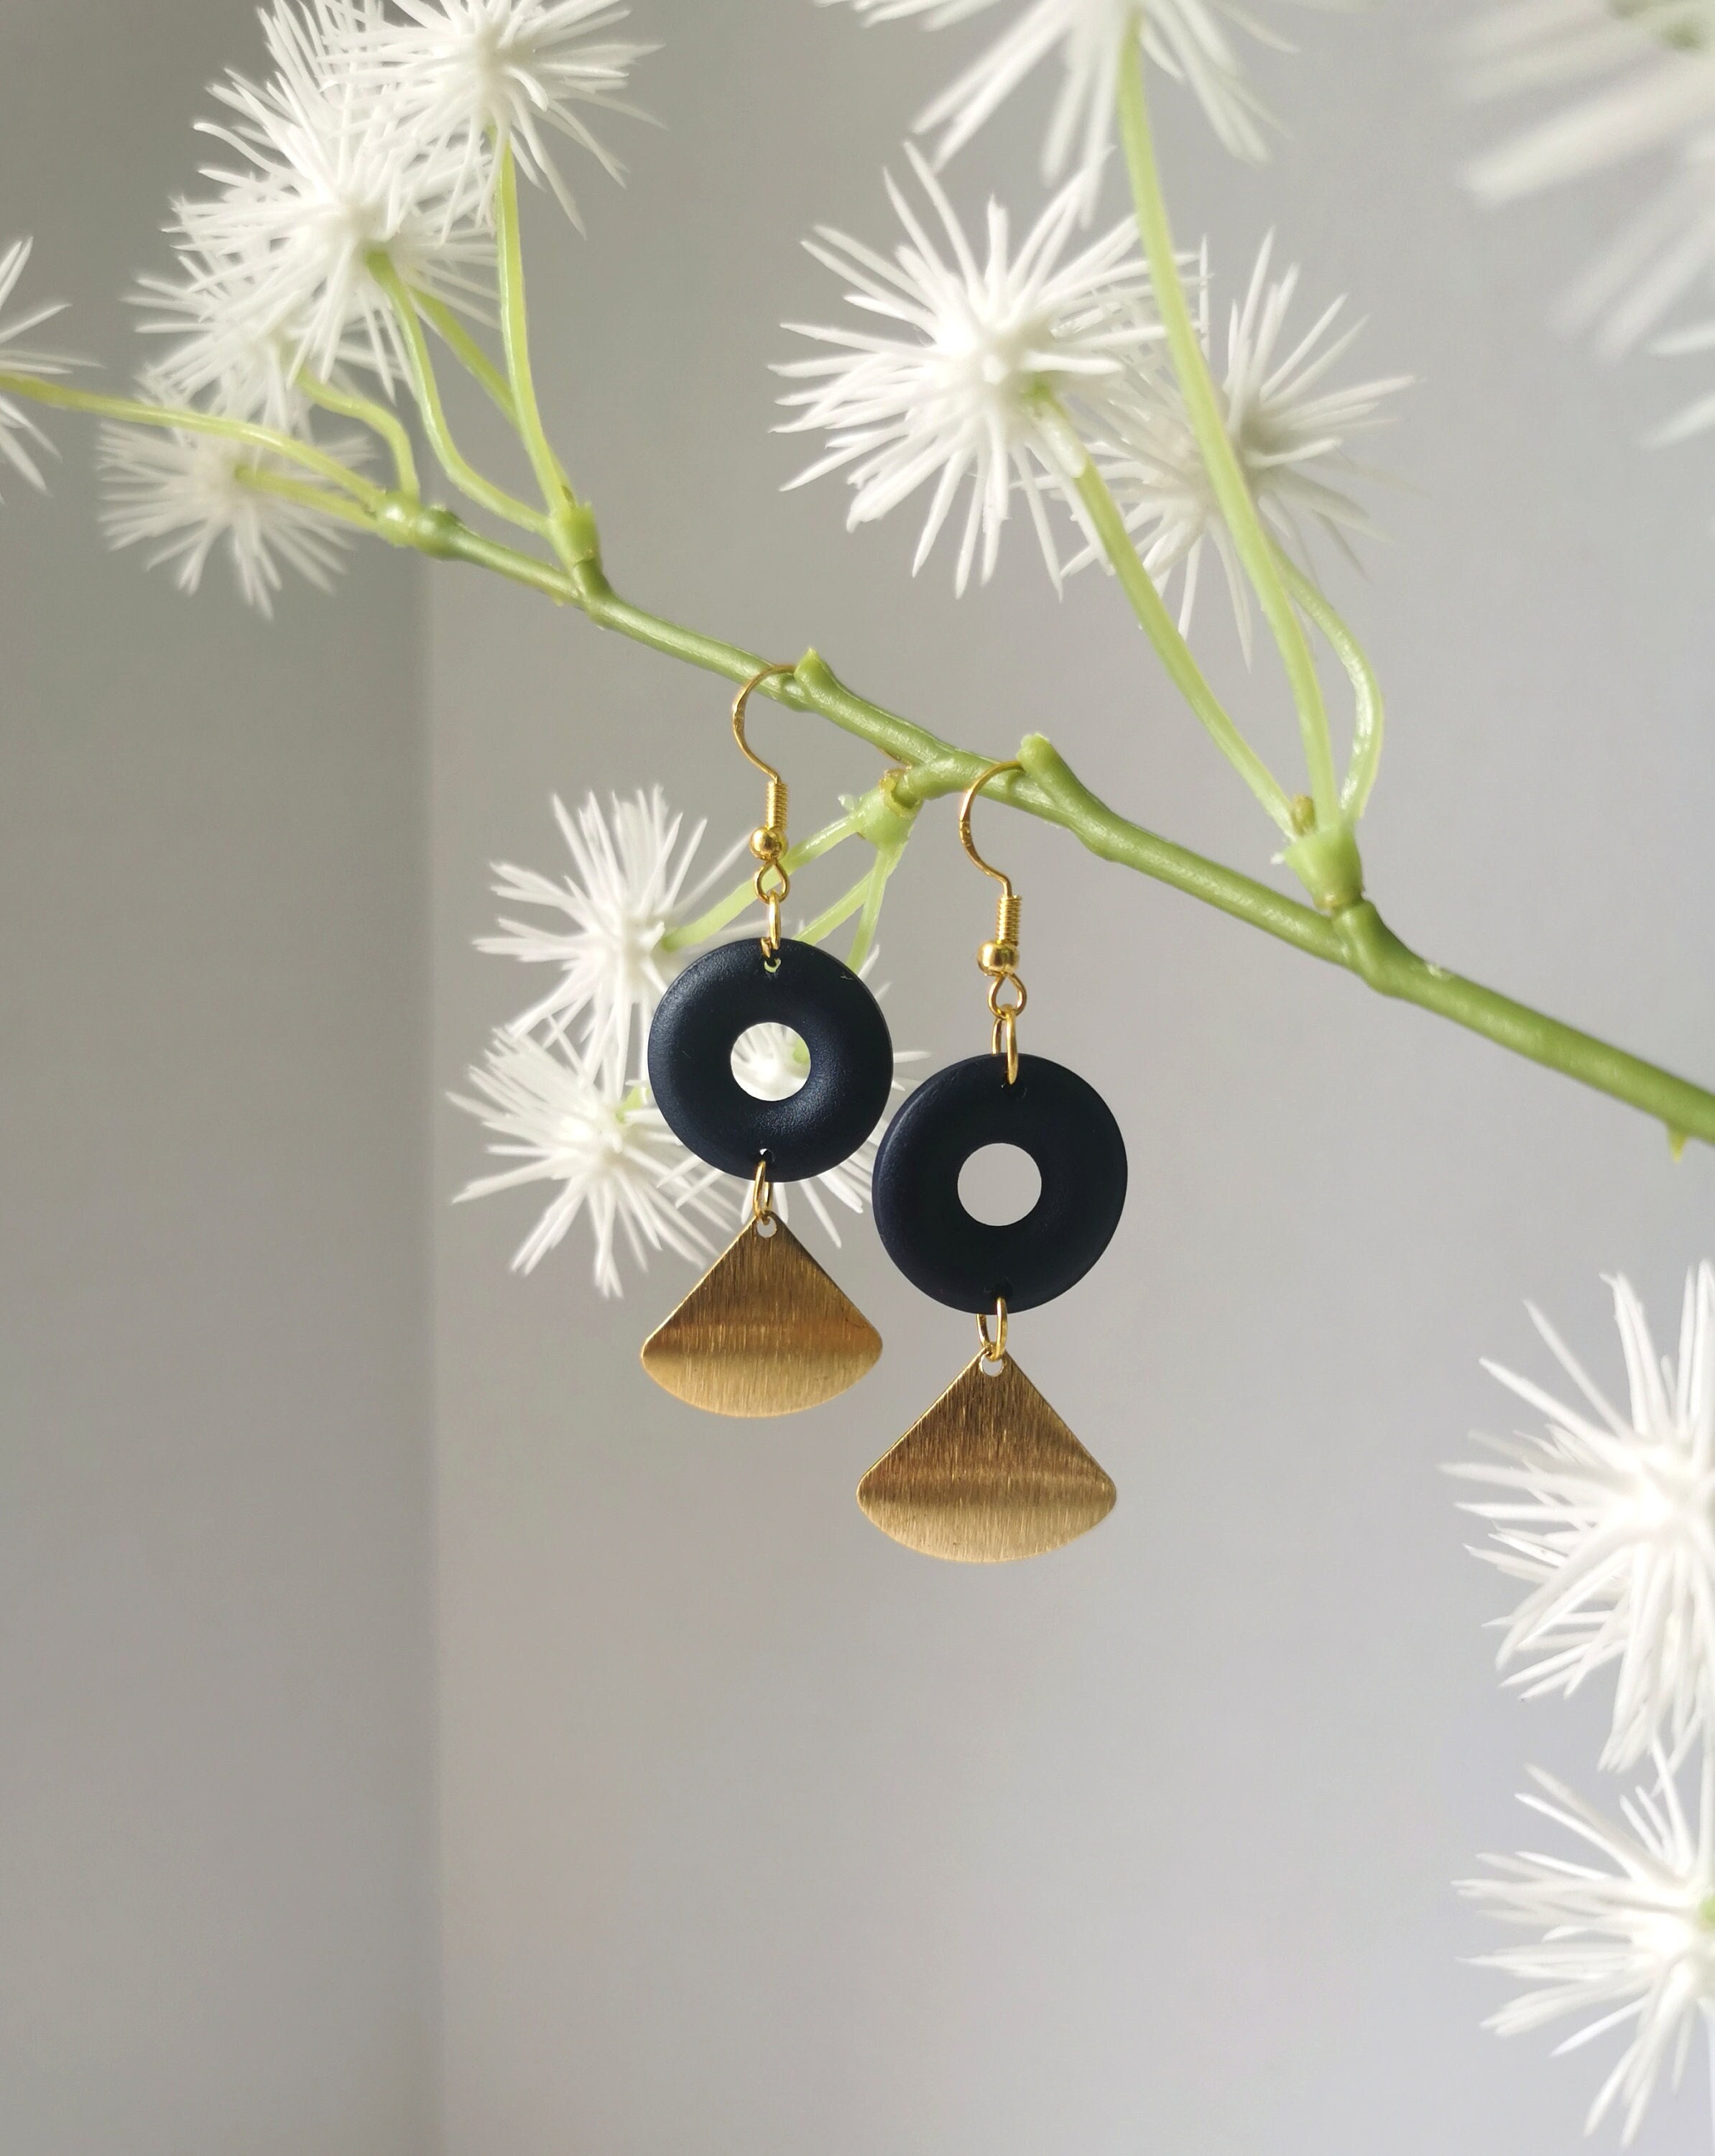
(761, 1196)
(999, 960)
(995, 1350)
(1003, 1039)
(768, 842)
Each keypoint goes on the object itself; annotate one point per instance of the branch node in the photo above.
(1329, 864)
(1372, 951)
(577, 540)
(404, 521)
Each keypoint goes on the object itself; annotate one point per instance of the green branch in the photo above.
(1357, 940)
(1350, 933)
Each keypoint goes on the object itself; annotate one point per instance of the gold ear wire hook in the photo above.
(965, 806)
(768, 842)
(999, 960)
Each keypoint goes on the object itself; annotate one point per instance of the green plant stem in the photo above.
(388, 424)
(1183, 669)
(1233, 493)
(1358, 941)
(727, 910)
(470, 354)
(187, 422)
(301, 491)
(515, 328)
(463, 476)
(1370, 715)
(875, 891)
(841, 911)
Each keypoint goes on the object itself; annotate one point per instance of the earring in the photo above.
(991, 1473)
(765, 1332)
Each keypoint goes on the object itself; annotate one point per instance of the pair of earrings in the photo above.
(990, 1472)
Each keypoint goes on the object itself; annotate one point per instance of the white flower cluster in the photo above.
(370, 154)
(180, 493)
(999, 369)
(973, 379)
(1289, 429)
(1192, 41)
(1642, 75)
(564, 1089)
(1607, 1517)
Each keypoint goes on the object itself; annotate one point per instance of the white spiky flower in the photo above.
(182, 493)
(562, 1120)
(476, 76)
(969, 379)
(1609, 1519)
(1192, 41)
(1290, 430)
(625, 893)
(221, 340)
(335, 177)
(16, 428)
(1642, 75)
(1628, 1941)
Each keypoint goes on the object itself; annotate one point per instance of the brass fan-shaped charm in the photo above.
(764, 1333)
(990, 1474)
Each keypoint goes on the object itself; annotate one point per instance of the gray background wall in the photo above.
(756, 1832)
(216, 1929)
(762, 1834)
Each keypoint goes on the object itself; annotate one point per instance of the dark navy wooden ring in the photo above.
(851, 1060)
(1050, 1113)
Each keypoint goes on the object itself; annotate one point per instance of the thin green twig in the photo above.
(1176, 656)
(875, 892)
(466, 350)
(307, 496)
(841, 911)
(515, 328)
(725, 910)
(188, 421)
(1370, 712)
(1232, 492)
(463, 475)
(393, 430)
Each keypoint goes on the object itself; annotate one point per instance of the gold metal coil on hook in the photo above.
(999, 959)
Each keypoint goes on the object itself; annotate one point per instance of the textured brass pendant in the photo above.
(990, 1474)
(764, 1333)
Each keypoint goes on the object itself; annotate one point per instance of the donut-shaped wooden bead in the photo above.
(1067, 1128)
(725, 995)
